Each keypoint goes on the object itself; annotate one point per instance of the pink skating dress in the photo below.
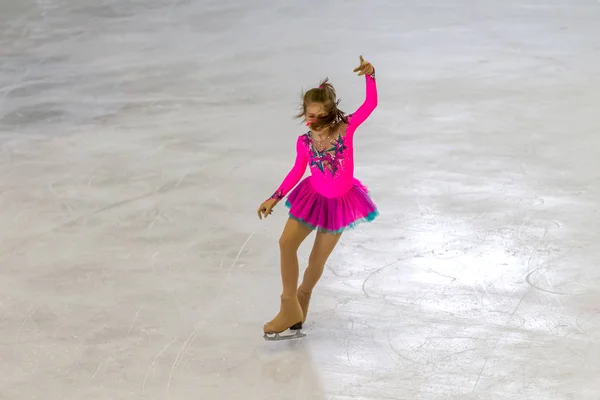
(331, 199)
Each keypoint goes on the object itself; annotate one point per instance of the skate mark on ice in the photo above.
(186, 345)
(377, 271)
(487, 359)
(398, 353)
(337, 274)
(440, 274)
(23, 324)
(528, 280)
(583, 331)
(162, 189)
(348, 343)
(222, 261)
(387, 353)
(18, 82)
(533, 251)
(97, 370)
(154, 361)
(517, 306)
(135, 317)
(192, 337)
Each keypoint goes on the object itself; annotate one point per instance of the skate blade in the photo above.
(276, 337)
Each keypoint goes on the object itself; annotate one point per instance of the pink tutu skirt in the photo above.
(332, 215)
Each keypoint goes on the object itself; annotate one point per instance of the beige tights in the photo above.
(294, 299)
(322, 249)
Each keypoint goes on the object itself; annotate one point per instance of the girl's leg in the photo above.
(290, 312)
(322, 249)
(292, 237)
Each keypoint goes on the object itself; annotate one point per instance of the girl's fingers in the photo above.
(363, 67)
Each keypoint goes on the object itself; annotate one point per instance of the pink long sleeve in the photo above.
(295, 174)
(367, 107)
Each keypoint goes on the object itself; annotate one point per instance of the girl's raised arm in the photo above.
(370, 103)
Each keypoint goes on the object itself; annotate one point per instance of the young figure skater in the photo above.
(328, 201)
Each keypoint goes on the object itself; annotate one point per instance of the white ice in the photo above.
(138, 137)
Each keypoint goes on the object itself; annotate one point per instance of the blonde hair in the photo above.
(326, 96)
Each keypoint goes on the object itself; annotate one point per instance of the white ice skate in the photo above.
(276, 337)
(290, 316)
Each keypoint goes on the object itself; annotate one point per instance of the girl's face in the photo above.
(313, 111)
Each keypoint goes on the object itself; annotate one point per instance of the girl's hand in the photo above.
(266, 208)
(364, 68)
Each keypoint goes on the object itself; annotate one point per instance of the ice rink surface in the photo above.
(138, 137)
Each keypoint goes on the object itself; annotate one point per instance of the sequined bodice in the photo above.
(328, 156)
